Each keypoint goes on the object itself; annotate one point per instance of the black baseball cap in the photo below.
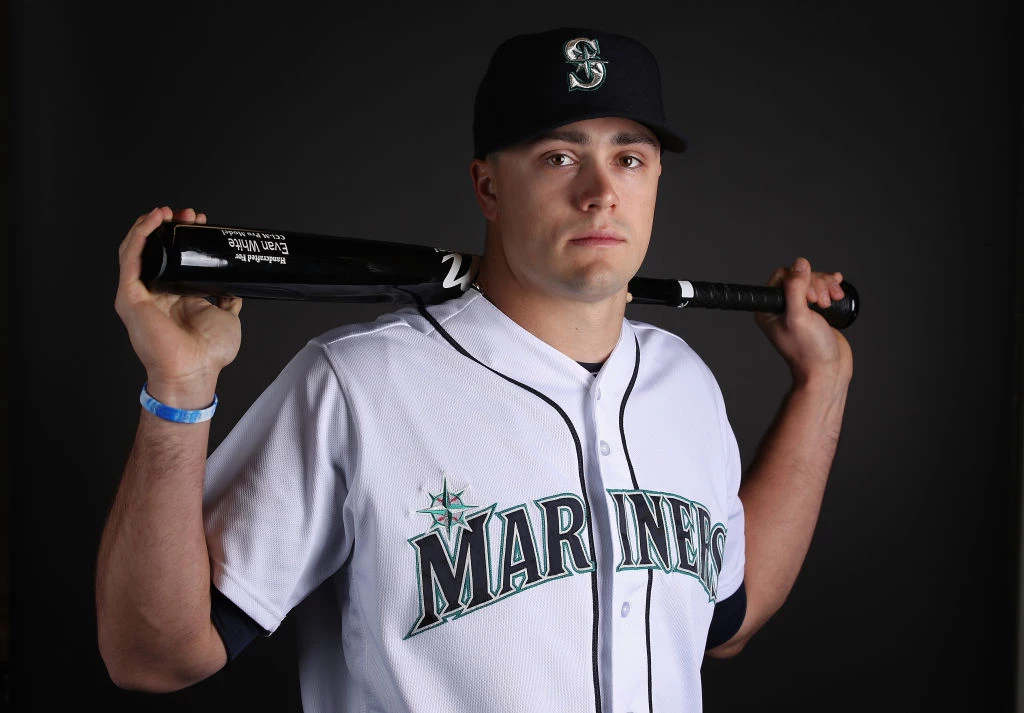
(539, 81)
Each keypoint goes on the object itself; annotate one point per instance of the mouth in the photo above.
(597, 238)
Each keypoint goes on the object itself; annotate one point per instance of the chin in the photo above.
(595, 289)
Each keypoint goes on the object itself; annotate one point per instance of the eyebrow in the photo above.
(581, 138)
(625, 138)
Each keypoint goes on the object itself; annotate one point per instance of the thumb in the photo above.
(797, 286)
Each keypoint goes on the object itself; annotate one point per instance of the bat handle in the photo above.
(756, 298)
(747, 298)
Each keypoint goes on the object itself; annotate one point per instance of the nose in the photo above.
(596, 188)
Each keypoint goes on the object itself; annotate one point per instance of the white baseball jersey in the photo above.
(465, 519)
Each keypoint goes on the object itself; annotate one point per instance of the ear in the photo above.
(483, 171)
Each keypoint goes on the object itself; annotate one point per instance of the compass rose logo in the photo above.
(447, 510)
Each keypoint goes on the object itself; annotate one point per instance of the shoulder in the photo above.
(657, 336)
(401, 334)
(390, 326)
(658, 342)
(664, 351)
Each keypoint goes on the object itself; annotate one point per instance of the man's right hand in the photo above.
(182, 341)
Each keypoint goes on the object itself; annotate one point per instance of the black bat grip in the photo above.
(754, 298)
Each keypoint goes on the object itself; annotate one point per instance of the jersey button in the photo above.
(605, 448)
(625, 609)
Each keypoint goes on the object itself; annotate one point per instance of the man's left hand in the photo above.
(814, 351)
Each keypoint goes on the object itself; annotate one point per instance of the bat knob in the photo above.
(842, 313)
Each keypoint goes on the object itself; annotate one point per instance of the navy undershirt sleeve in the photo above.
(236, 628)
(728, 617)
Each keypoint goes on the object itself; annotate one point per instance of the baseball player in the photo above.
(516, 500)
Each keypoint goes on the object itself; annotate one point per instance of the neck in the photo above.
(585, 331)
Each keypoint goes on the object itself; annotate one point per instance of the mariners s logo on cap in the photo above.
(590, 69)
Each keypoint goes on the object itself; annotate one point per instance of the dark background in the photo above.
(876, 138)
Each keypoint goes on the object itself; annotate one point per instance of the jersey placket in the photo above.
(624, 591)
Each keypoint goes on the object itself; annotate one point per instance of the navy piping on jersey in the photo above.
(583, 484)
(636, 486)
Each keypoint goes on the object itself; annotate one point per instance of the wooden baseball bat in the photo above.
(217, 260)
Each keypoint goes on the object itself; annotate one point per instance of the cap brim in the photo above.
(669, 139)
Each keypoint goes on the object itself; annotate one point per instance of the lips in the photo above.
(597, 238)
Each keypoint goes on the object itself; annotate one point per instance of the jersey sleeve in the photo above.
(236, 628)
(728, 617)
(275, 492)
(731, 575)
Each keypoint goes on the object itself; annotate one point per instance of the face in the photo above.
(571, 213)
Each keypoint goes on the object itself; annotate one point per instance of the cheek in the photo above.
(511, 199)
(649, 201)
(643, 201)
(526, 211)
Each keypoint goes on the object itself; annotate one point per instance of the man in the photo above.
(516, 500)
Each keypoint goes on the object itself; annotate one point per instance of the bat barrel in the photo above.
(211, 260)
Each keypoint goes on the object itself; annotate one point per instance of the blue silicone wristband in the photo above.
(178, 415)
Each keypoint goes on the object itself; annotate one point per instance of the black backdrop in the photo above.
(872, 137)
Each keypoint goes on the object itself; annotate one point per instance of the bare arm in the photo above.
(783, 489)
(153, 570)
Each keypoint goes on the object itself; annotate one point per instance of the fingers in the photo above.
(131, 247)
(127, 238)
(820, 288)
(798, 285)
(835, 289)
(188, 215)
(825, 289)
(130, 250)
(231, 304)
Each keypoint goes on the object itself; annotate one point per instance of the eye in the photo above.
(559, 160)
(630, 161)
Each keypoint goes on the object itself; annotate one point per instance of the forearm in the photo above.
(153, 572)
(782, 494)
